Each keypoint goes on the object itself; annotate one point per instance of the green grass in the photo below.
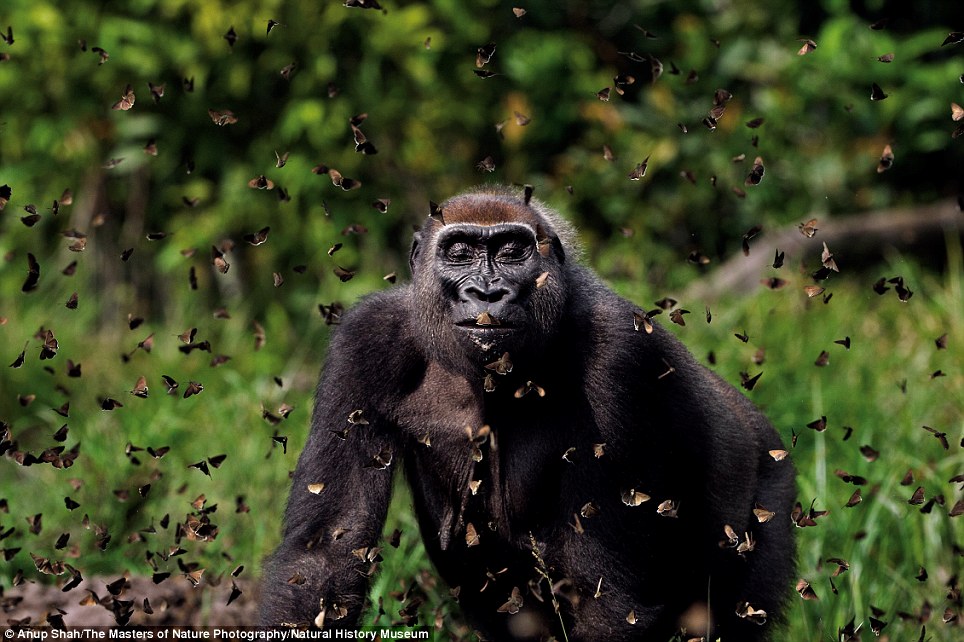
(893, 349)
(885, 539)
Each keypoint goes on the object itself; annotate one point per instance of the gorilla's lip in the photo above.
(473, 324)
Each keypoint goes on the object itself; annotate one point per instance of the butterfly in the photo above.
(126, 101)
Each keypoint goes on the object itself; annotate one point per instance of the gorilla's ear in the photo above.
(557, 247)
(413, 253)
(552, 240)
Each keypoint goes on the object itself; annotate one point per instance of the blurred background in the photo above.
(191, 192)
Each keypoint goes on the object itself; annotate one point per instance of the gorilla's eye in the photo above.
(513, 252)
(460, 253)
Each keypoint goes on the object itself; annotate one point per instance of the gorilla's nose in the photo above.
(492, 292)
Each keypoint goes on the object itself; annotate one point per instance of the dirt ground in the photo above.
(174, 602)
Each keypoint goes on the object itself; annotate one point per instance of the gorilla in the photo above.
(575, 472)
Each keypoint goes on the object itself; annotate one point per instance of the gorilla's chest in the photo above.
(493, 459)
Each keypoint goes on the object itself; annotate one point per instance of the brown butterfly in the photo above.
(953, 38)
(502, 366)
(698, 258)
(331, 313)
(818, 424)
(774, 282)
(589, 510)
(222, 117)
(940, 436)
(633, 497)
(380, 461)
(514, 604)
(343, 182)
(232, 37)
(639, 171)
(855, 499)
(748, 382)
(140, 388)
(18, 362)
(527, 388)
(803, 519)
(668, 508)
(33, 274)
(126, 101)
(806, 591)
(471, 535)
(218, 261)
(50, 346)
(157, 453)
(762, 514)
(157, 91)
(886, 160)
(257, 238)
(676, 316)
(487, 164)
(261, 182)
(747, 612)
(756, 173)
(484, 54)
(622, 81)
(104, 56)
(435, 212)
(362, 144)
(808, 47)
(752, 232)
(809, 228)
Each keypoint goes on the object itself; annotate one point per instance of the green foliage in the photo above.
(410, 69)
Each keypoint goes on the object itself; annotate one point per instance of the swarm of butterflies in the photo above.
(128, 600)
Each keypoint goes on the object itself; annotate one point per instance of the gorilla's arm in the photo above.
(340, 491)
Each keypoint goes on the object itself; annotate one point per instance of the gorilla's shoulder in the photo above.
(614, 340)
(378, 321)
(375, 341)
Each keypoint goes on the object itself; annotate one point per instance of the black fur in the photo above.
(670, 428)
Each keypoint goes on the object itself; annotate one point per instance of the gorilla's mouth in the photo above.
(485, 320)
(474, 324)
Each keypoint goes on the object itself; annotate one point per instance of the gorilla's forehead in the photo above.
(484, 232)
(488, 209)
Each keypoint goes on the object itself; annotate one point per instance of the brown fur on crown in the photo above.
(487, 208)
(493, 204)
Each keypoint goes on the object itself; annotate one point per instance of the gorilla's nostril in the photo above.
(486, 294)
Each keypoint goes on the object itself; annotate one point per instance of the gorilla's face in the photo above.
(488, 274)
(488, 277)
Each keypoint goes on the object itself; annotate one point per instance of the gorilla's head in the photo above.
(489, 278)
